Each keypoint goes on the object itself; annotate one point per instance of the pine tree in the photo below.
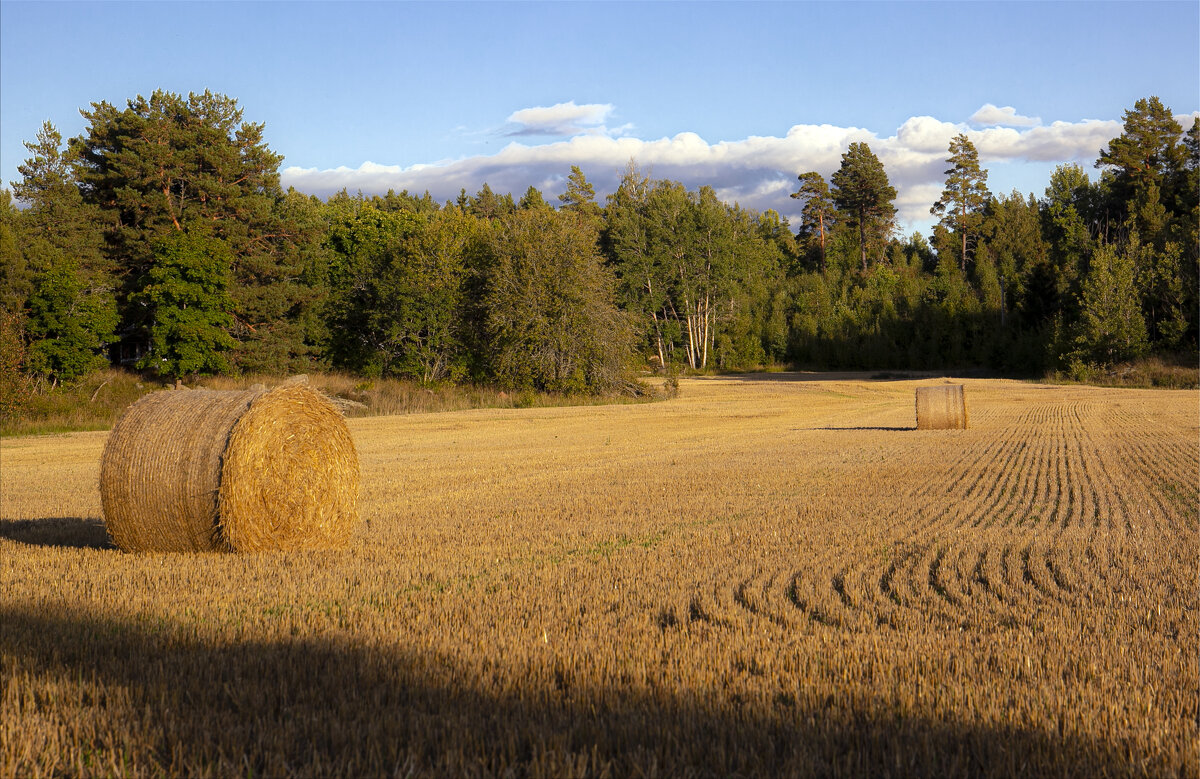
(171, 164)
(965, 195)
(1147, 150)
(580, 197)
(816, 216)
(862, 191)
(532, 199)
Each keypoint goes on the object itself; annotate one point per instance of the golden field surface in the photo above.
(768, 575)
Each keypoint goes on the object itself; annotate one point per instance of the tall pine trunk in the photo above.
(821, 230)
(962, 265)
(862, 239)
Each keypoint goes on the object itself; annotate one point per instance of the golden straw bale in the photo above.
(230, 471)
(941, 408)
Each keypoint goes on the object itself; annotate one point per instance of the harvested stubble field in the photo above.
(766, 575)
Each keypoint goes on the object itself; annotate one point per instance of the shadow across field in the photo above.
(176, 703)
(63, 532)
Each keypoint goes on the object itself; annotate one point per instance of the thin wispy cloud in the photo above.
(758, 172)
(560, 119)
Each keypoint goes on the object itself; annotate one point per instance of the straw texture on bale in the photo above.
(941, 408)
(207, 470)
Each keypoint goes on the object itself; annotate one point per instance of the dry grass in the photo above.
(96, 401)
(763, 576)
(1173, 371)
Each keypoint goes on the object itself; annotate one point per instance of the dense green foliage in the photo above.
(188, 303)
(161, 237)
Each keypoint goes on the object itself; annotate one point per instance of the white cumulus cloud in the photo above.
(924, 134)
(992, 115)
(1065, 141)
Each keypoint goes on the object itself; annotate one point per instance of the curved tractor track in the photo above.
(1045, 507)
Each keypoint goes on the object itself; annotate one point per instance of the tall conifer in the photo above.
(965, 195)
(861, 190)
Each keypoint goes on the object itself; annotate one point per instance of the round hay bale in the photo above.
(942, 407)
(230, 471)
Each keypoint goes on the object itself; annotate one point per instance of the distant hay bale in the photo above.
(941, 408)
(230, 471)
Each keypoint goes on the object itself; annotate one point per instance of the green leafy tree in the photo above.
(862, 192)
(1067, 210)
(365, 243)
(69, 328)
(71, 307)
(187, 297)
(1011, 241)
(1153, 192)
(425, 204)
(1039, 304)
(687, 280)
(15, 386)
(775, 230)
(699, 277)
(292, 333)
(642, 289)
(411, 305)
(818, 209)
(1111, 327)
(950, 302)
(1188, 186)
(16, 280)
(1186, 233)
(753, 272)
(965, 195)
(1159, 277)
(707, 273)
(551, 321)
(488, 205)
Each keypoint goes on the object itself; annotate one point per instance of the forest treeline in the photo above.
(161, 238)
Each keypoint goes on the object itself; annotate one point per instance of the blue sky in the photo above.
(742, 96)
